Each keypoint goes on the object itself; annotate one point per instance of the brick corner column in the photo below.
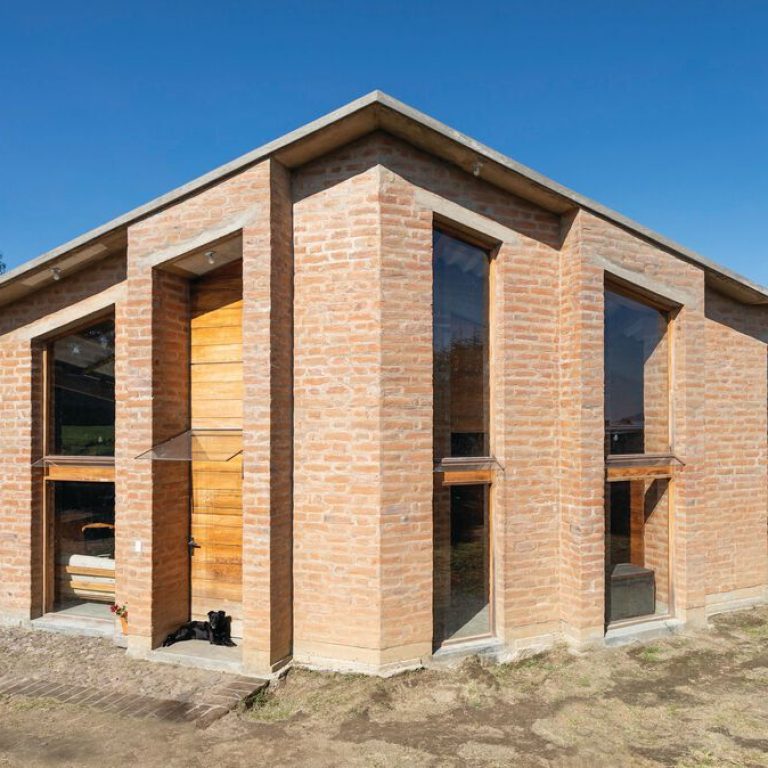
(582, 461)
(152, 498)
(268, 425)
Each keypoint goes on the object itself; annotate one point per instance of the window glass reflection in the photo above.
(636, 377)
(462, 561)
(83, 406)
(460, 302)
(84, 542)
(636, 549)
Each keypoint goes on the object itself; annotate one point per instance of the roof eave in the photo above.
(377, 110)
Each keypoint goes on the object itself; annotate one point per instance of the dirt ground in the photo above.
(89, 662)
(694, 701)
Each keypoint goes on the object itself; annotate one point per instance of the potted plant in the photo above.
(121, 611)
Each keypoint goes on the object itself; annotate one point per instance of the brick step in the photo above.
(213, 705)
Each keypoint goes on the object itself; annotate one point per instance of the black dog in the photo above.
(217, 630)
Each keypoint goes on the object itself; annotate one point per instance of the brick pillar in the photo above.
(363, 411)
(406, 423)
(268, 426)
(582, 464)
(152, 498)
(21, 486)
(688, 500)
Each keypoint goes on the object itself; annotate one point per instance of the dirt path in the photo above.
(692, 702)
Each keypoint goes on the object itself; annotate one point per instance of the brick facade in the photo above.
(338, 536)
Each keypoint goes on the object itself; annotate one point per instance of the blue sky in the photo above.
(657, 109)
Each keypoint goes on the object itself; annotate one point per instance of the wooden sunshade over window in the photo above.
(467, 471)
(641, 466)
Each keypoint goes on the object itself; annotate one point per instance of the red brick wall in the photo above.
(267, 424)
(337, 409)
(23, 327)
(581, 461)
(171, 480)
(736, 485)
(337, 531)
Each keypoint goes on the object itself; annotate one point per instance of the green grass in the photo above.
(650, 654)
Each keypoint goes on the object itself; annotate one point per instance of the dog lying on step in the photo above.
(217, 630)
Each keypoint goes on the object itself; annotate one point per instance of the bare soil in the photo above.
(695, 701)
(95, 662)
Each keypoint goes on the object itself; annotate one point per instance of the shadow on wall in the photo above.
(433, 175)
(748, 320)
(64, 293)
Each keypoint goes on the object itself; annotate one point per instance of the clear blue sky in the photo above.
(657, 109)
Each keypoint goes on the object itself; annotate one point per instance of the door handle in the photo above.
(192, 545)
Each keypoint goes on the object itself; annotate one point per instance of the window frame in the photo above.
(474, 470)
(61, 460)
(58, 468)
(670, 311)
(649, 466)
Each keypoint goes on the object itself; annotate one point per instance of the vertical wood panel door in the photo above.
(217, 404)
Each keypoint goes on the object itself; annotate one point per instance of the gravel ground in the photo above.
(95, 662)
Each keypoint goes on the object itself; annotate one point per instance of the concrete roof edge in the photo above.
(758, 292)
(577, 199)
(190, 187)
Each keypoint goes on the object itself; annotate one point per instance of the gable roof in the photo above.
(374, 111)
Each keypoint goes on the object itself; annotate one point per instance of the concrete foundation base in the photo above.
(200, 654)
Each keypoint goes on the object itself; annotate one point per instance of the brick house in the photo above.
(381, 393)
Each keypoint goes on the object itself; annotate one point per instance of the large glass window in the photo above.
(460, 338)
(84, 543)
(636, 377)
(462, 576)
(83, 402)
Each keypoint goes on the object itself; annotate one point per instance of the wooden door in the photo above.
(216, 403)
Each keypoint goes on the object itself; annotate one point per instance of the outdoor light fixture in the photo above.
(56, 272)
(211, 256)
(477, 166)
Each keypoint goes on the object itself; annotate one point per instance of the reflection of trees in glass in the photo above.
(460, 339)
(636, 370)
(84, 392)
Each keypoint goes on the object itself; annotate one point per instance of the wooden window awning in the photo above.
(641, 466)
(467, 471)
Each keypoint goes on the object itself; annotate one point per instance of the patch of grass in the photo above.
(24, 704)
(265, 707)
(756, 631)
(703, 759)
(649, 654)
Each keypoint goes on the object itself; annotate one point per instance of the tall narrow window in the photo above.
(637, 437)
(460, 348)
(462, 551)
(83, 406)
(636, 377)
(78, 462)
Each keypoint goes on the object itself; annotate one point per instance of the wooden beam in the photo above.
(83, 474)
(467, 477)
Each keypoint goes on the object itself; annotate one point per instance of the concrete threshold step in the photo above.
(653, 629)
(200, 654)
(75, 625)
(452, 655)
